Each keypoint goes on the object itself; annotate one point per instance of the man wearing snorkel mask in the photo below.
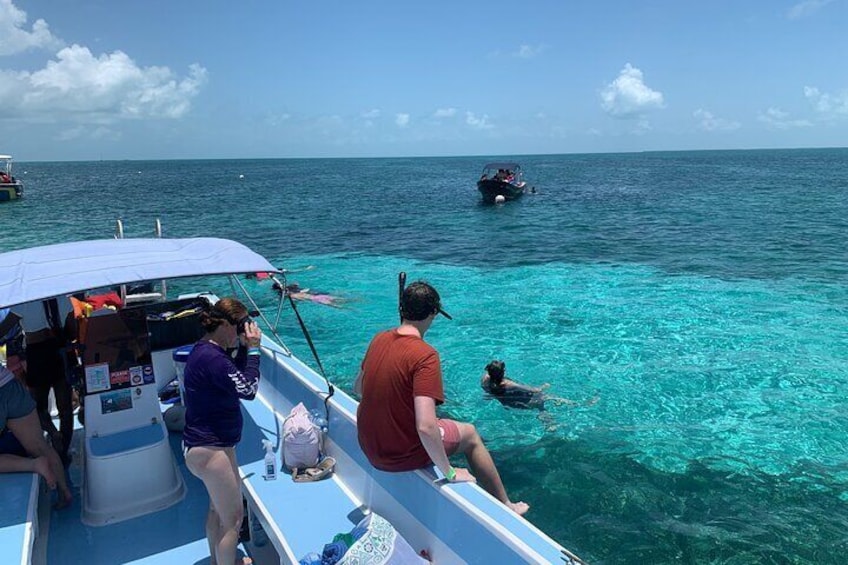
(400, 383)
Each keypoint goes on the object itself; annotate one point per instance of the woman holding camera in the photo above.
(215, 383)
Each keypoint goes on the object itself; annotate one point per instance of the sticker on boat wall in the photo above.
(119, 378)
(116, 401)
(136, 376)
(97, 377)
(149, 378)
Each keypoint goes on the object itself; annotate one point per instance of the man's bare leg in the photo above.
(483, 466)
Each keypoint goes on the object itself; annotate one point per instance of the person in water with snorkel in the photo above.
(515, 395)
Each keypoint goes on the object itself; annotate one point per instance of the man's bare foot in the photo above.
(41, 466)
(519, 508)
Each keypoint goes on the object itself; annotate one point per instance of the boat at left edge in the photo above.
(134, 499)
(10, 187)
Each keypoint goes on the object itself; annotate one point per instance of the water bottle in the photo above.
(270, 462)
(318, 420)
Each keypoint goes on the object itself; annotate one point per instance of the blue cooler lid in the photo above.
(181, 353)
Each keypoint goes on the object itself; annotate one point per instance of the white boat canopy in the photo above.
(37, 273)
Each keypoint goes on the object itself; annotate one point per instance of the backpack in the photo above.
(301, 439)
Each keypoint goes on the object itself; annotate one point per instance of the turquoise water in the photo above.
(693, 306)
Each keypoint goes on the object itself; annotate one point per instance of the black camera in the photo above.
(241, 324)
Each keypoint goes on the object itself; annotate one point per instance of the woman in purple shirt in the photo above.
(215, 383)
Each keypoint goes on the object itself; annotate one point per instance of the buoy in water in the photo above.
(241, 176)
(500, 199)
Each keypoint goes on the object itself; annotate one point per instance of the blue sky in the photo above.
(153, 79)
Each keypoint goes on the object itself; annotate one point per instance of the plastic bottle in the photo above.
(318, 420)
(270, 463)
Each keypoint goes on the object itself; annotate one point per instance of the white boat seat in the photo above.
(128, 440)
(129, 469)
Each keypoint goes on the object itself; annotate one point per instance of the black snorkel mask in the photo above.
(241, 323)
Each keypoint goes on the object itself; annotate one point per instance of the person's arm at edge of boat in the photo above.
(431, 438)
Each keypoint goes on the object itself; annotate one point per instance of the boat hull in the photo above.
(490, 189)
(11, 191)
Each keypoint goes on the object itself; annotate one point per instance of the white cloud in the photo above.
(709, 122)
(529, 51)
(80, 132)
(806, 8)
(778, 119)
(371, 114)
(274, 120)
(445, 113)
(79, 82)
(78, 86)
(15, 39)
(628, 96)
(479, 123)
(111, 86)
(402, 120)
(828, 105)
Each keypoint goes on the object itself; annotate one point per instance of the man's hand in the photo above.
(463, 476)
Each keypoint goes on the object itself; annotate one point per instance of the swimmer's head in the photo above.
(496, 370)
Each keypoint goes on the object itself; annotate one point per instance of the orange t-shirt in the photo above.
(396, 369)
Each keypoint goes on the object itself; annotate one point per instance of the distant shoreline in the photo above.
(20, 161)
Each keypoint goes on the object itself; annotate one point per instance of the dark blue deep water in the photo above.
(693, 306)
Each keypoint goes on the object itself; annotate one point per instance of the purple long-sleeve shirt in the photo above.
(214, 384)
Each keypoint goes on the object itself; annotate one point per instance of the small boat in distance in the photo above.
(10, 187)
(501, 181)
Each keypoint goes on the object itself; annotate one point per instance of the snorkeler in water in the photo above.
(516, 395)
(305, 294)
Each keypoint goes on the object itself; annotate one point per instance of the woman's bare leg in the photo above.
(217, 469)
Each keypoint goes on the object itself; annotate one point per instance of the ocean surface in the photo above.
(691, 306)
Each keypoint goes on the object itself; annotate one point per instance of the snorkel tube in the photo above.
(401, 287)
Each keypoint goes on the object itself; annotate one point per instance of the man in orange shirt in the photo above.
(400, 383)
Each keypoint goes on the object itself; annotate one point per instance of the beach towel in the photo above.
(381, 544)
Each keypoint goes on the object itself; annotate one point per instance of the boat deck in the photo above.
(173, 535)
(299, 517)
